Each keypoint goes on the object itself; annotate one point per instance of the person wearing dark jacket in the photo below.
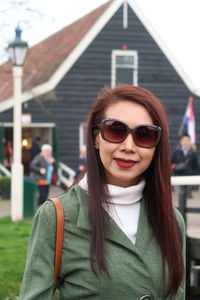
(184, 158)
(184, 162)
(42, 170)
(35, 149)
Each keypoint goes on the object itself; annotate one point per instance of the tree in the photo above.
(25, 13)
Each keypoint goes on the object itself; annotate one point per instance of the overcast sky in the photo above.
(176, 21)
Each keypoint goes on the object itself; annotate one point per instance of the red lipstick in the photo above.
(125, 163)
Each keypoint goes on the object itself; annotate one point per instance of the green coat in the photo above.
(135, 270)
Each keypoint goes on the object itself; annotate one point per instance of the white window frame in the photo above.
(82, 134)
(133, 66)
(125, 14)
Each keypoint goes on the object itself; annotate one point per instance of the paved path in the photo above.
(4, 208)
(193, 219)
(5, 204)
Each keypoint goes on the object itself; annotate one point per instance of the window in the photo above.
(124, 67)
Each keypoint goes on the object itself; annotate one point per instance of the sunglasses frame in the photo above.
(132, 131)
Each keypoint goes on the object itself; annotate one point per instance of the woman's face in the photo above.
(125, 162)
(46, 152)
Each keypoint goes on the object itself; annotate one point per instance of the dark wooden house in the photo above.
(63, 74)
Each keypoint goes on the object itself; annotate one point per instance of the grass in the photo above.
(13, 248)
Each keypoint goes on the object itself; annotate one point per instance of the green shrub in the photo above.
(5, 182)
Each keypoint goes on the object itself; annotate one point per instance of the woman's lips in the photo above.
(125, 163)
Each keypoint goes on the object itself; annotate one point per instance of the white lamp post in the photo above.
(17, 51)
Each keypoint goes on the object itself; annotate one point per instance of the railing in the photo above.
(4, 171)
(186, 181)
(65, 175)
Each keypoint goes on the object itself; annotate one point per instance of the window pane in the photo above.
(124, 76)
(124, 60)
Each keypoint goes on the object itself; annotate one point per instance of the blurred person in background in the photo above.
(42, 168)
(184, 162)
(8, 155)
(81, 162)
(185, 158)
(36, 148)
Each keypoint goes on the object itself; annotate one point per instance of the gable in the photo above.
(51, 59)
(78, 88)
(45, 58)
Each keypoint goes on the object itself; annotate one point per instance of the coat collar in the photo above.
(115, 234)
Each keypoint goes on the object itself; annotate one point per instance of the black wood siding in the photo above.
(92, 71)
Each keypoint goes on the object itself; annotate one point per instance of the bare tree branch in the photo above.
(26, 13)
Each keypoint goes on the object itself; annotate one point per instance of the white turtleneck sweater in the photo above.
(124, 207)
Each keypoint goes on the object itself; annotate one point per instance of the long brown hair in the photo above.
(159, 207)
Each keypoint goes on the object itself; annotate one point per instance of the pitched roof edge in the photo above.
(84, 43)
(28, 95)
(69, 61)
(163, 47)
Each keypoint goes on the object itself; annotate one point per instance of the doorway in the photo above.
(29, 133)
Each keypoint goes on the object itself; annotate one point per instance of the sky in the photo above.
(177, 22)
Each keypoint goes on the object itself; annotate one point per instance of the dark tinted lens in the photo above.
(146, 136)
(114, 131)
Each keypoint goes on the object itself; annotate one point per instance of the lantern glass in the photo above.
(17, 52)
(17, 49)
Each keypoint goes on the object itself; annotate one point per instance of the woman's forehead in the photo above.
(129, 112)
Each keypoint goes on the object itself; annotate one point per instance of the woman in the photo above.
(42, 171)
(122, 238)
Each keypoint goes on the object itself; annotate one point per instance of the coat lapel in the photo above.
(144, 232)
(83, 215)
(115, 234)
(143, 236)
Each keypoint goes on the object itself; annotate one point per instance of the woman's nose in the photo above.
(128, 144)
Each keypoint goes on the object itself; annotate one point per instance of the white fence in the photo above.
(4, 171)
(185, 180)
(182, 193)
(65, 175)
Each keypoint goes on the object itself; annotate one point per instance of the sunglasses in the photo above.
(115, 131)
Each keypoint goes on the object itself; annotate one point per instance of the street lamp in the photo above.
(17, 51)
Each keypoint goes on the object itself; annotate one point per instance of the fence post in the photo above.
(182, 205)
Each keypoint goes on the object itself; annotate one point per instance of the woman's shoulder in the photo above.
(71, 202)
(36, 159)
(180, 220)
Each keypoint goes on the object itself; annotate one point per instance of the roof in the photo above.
(44, 58)
(48, 61)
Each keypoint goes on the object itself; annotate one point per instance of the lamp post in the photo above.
(17, 52)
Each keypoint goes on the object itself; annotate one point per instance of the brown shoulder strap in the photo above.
(59, 237)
